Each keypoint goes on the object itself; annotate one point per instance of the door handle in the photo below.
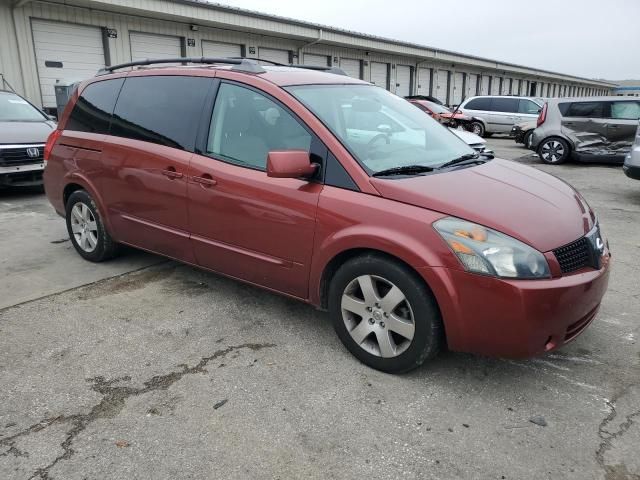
(205, 181)
(612, 126)
(171, 173)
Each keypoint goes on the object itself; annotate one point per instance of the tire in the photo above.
(404, 327)
(554, 150)
(86, 229)
(477, 128)
(526, 141)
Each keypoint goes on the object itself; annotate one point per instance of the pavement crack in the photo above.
(614, 472)
(113, 400)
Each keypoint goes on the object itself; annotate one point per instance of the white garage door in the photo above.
(484, 85)
(472, 84)
(456, 97)
(65, 52)
(217, 49)
(442, 85)
(424, 81)
(317, 60)
(495, 86)
(525, 88)
(351, 67)
(380, 74)
(273, 55)
(150, 45)
(403, 80)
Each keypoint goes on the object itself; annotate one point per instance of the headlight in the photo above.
(483, 250)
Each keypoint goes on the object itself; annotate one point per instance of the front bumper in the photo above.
(515, 318)
(22, 175)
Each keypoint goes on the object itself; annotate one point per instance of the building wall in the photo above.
(18, 64)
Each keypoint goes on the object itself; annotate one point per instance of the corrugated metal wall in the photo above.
(18, 64)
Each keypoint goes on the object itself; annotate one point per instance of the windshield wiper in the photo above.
(404, 170)
(463, 159)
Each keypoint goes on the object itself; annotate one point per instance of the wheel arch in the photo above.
(75, 182)
(561, 137)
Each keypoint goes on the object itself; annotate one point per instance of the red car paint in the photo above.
(283, 234)
(442, 117)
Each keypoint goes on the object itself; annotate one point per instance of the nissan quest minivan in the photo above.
(277, 176)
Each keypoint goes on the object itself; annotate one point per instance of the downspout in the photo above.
(317, 40)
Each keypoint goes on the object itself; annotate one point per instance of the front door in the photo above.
(623, 121)
(146, 161)
(243, 223)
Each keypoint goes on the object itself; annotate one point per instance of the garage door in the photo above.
(317, 60)
(442, 85)
(484, 85)
(273, 55)
(424, 81)
(351, 67)
(495, 86)
(217, 49)
(403, 80)
(456, 96)
(65, 52)
(150, 45)
(472, 84)
(380, 74)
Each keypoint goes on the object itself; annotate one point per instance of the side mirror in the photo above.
(290, 164)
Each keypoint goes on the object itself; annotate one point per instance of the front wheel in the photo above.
(554, 150)
(477, 128)
(384, 314)
(86, 229)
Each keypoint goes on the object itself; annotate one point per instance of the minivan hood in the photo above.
(15, 133)
(532, 206)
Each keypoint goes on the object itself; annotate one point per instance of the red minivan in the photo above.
(333, 191)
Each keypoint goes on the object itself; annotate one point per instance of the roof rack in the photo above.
(334, 70)
(239, 64)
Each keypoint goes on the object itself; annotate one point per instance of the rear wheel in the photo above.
(384, 314)
(554, 150)
(477, 128)
(86, 229)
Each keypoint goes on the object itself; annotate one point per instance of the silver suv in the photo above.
(498, 114)
(590, 129)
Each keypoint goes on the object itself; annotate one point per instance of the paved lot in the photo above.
(146, 369)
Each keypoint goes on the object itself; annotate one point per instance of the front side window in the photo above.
(506, 105)
(381, 130)
(161, 109)
(16, 109)
(478, 104)
(528, 107)
(625, 110)
(94, 108)
(247, 125)
(584, 109)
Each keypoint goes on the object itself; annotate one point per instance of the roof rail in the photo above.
(334, 70)
(239, 64)
(256, 59)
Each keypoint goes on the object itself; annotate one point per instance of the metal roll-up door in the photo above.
(424, 81)
(403, 80)
(472, 84)
(316, 60)
(274, 55)
(352, 67)
(65, 52)
(442, 85)
(218, 49)
(151, 45)
(484, 85)
(525, 88)
(495, 85)
(380, 74)
(457, 94)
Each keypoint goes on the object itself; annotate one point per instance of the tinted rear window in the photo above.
(92, 112)
(582, 109)
(163, 109)
(478, 104)
(508, 105)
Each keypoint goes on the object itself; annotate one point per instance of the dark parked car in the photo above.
(23, 132)
(281, 177)
(592, 129)
(521, 132)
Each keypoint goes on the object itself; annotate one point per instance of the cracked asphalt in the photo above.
(142, 368)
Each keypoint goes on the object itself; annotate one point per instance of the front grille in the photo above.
(574, 256)
(15, 156)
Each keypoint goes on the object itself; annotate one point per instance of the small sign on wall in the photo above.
(252, 50)
(191, 42)
(112, 33)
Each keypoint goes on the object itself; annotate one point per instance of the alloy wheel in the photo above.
(84, 227)
(378, 316)
(552, 151)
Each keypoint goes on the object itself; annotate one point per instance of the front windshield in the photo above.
(380, 129)
(15, 109)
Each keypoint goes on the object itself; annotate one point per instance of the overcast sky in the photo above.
(588, 38)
